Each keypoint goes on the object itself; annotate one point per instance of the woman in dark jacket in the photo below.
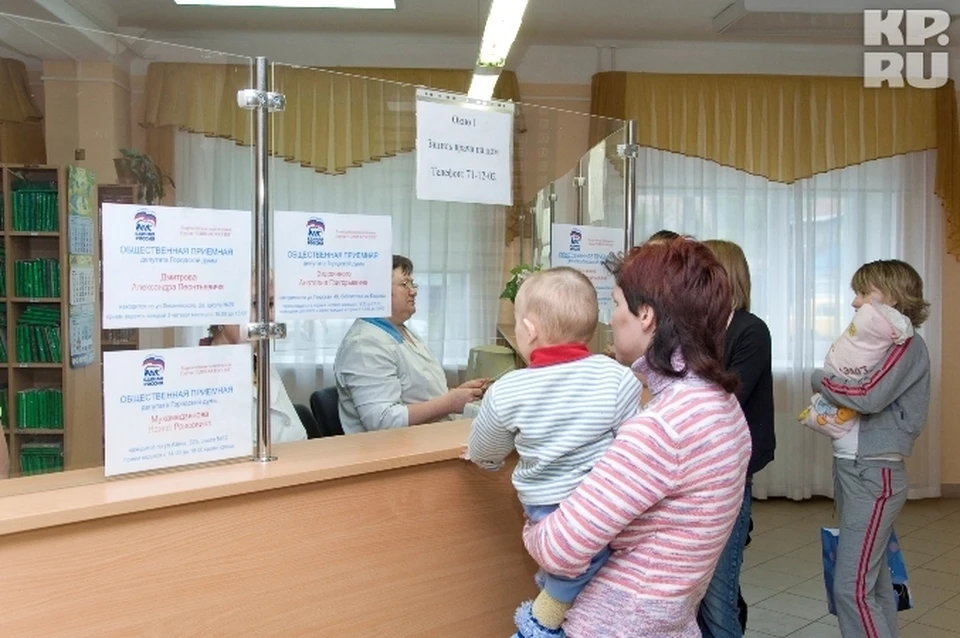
(747, 352)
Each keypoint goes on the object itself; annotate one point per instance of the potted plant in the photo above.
(138, 168)
(517, 275)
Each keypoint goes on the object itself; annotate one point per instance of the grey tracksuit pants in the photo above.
(869, 496)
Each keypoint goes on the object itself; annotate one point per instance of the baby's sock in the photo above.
(548, 611)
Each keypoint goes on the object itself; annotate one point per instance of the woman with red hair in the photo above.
(667, 493)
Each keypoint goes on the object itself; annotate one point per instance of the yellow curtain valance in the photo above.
(21, 122)
(334, 119)
(786, 128)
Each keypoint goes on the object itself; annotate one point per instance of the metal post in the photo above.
(578, 183)
(262, 329)
(521, 222)
(552, 199)
(630, 185)
(261, 233)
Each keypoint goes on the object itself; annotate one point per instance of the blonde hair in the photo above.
(899, 283)
(734, 262)
(564, 302)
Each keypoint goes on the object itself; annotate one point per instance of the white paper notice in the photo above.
(464, 153)
(176, 406)
(331, 265)
(166, 266)
(585, 248)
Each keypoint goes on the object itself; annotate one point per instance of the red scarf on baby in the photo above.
(563, 353)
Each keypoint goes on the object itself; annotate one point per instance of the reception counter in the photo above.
(383, 534)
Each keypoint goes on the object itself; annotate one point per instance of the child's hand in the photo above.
(465, 453)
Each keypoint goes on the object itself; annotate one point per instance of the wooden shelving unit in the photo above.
(126, 339)
(73, 426)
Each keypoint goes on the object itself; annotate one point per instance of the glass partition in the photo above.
(590, 193)
(108, 119)
(345, 145)
(86, 119)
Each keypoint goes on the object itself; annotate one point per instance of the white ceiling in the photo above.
(548, 22)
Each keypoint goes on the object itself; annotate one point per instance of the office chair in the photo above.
(309, 422)
(323, 403)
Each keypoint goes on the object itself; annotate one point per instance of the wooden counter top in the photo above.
(90, 496)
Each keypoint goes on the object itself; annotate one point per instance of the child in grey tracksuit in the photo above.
(870, 479)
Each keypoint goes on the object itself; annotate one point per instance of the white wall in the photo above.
(538, 64)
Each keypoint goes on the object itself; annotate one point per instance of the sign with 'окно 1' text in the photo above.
(166, 266)
(464, 149)
(176, 406)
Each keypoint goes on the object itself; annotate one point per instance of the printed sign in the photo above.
(176, 406)
(166, 266)
(331, 265)
(82, 326)
(81, 314)
(585, 248)
(464, 151)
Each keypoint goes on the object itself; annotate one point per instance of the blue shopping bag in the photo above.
(830, 537)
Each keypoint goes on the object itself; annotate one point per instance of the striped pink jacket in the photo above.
(664, 497)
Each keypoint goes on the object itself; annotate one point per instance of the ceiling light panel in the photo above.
(294, 4)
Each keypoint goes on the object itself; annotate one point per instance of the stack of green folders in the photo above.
(35, 210)
(40, 408)
(3, 268)
(1, 211)
(3, 406)
(40, 458)
(3, 333)
(38, 335)
(36, 278)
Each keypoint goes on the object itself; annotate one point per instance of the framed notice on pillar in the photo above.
(176, 406)
(165, 266)
(585, 248)
(331, 266)
(464, 149)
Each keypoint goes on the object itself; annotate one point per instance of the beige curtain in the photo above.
(786, 128)
(335, 119)
(21, 123)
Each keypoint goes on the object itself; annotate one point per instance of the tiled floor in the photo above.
(782, 576)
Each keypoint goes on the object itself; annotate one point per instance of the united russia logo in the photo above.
(153, 368)
(315, 230)
(575, 237)
(144, 226)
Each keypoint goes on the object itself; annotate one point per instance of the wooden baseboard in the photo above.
(950, 490)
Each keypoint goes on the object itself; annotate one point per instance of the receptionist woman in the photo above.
(386, 376)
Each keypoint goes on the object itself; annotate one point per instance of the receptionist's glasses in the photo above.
(409, 284)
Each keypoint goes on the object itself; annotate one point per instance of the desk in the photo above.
(507, 334)
(386, 533)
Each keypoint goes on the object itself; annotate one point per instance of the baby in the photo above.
(875, 328)
(560, 414)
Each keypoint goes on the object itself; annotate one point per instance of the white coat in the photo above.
(285, 424)
(379, 373)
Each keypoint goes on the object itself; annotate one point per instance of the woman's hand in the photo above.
(461, 396)
(480, 384)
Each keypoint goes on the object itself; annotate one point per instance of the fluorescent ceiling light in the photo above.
(482, 85)
(295, 4)
(845, 7)
(503, 23)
